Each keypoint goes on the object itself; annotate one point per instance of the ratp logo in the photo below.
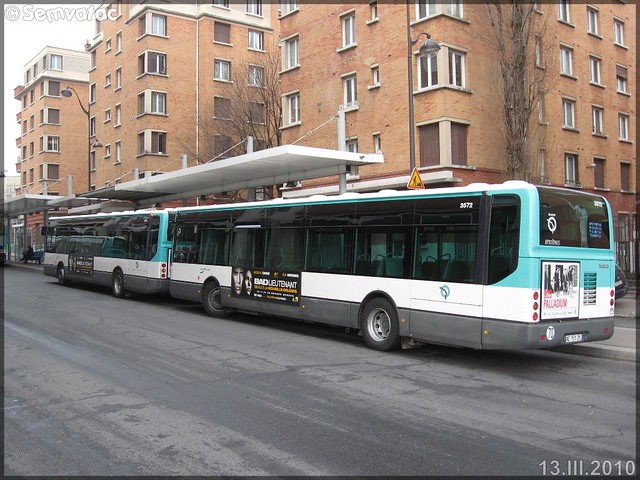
(445, 291)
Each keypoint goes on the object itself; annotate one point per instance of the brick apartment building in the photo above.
(163, 78)
(53, 144)
(582, 132)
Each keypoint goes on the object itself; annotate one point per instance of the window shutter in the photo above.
(458, 144)
(429, 145)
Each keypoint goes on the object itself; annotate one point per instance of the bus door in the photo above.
(446, 294)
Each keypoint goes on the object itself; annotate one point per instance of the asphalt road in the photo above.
(150, 386)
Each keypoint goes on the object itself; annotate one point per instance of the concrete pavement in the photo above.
(621, 346)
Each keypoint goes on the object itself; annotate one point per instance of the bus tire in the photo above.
(61, 274)
(379, 325)
(212, 301)
(117, 285)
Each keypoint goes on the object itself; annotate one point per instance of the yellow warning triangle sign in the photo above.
(415, 182)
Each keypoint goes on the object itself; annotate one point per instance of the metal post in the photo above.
(251, 191)
(412, 137)
(184, 160)
(69, 185)
(342, 146)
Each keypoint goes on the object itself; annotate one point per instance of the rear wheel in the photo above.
(117, 285)
(379, 325)
(62, 275)
(212, 301)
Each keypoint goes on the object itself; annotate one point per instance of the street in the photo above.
(94, 385)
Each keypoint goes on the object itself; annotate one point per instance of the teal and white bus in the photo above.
(129, 251)
(510, 266)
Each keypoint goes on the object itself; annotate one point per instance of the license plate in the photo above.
(572, 338)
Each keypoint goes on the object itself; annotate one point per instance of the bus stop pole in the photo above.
(251, 191)
(342, 146)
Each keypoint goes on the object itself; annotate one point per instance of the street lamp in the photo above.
(428, 48)
(66, 92)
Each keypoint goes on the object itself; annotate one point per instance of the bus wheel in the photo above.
(212, 300)
(379, 325)
(117, 285)
(62, 275)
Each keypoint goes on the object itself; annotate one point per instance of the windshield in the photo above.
(573, 219)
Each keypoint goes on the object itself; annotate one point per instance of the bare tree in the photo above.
(249, 106)
(519, 31)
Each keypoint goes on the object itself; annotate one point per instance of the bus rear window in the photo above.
(573, 219)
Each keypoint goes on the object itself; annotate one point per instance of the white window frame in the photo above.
(568, 113)
(571, 168)
(592, 21)
(51, 143)
(453, 68)
(290, 6)
(291, 52)
(118, 115)
(158, 29)
(254, 7)
(118, 158)
(455, 8)
(222, 70)
(597, 120)
(256, 40)
(623, 127)
(595, 70)
(107, 115)
(375, 75)
(57, 64)
(428, 62)
(564, 15)
(348, 22)
(425, 9)
(292, 108)
(377, 142)
(255, 79)
(373, 11)
(350, 91)
(621, 82)
(566, 60)
(618, 32)
(107, 150)
(158, 104)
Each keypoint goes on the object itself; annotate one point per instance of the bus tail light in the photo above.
(535, 306)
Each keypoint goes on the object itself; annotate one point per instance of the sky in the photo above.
(28, 28)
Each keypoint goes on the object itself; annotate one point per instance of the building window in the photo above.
(596, 120)
(107, 151)
(291, 54)
(428, 71)
(538, 51)
(254, 7)
(256, 40)
(152, 142)
(32, 149)
(118, 116)
(598, 172)
(92, 161)
(592, 21)
(625, 175)
(594, 68)
(349, 30)
(568, 113)
(32, 96)
(377, 143)
(54, 88)
(257, 113)
(55, 62)
(540, 107)
(292, 109)
(563, 11)
(618, 32)
(350, 90)
(571, 169)
(118, 158)
(623, 124)
(220, 3)
(373, 10)
(222, 70)
(158, 25)
(621, 79)
(154, 63)
(159, 103)
(107, 115)
(429, 136)
(375, 76)
(221, 32)
(92, 93)
(256, 76)
(222, 108)
(290, 6)
(455, 8)
(118, 42)
(456, 69)
(566, 61)
(50, 144)
(53, 116)
(107, 45)
(107, 80)
(92, 126)
(118, 78)
(31, 176)
(425, 8)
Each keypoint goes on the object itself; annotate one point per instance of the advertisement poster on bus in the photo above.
(81, 264)
(270, 285)
(560, 290)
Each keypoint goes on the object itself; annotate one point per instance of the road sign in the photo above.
(415, 182)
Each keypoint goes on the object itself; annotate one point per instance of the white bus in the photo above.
(509, 266)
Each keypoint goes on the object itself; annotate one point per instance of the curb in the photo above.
(608, 352)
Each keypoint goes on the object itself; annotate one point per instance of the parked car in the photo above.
(621, 283)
